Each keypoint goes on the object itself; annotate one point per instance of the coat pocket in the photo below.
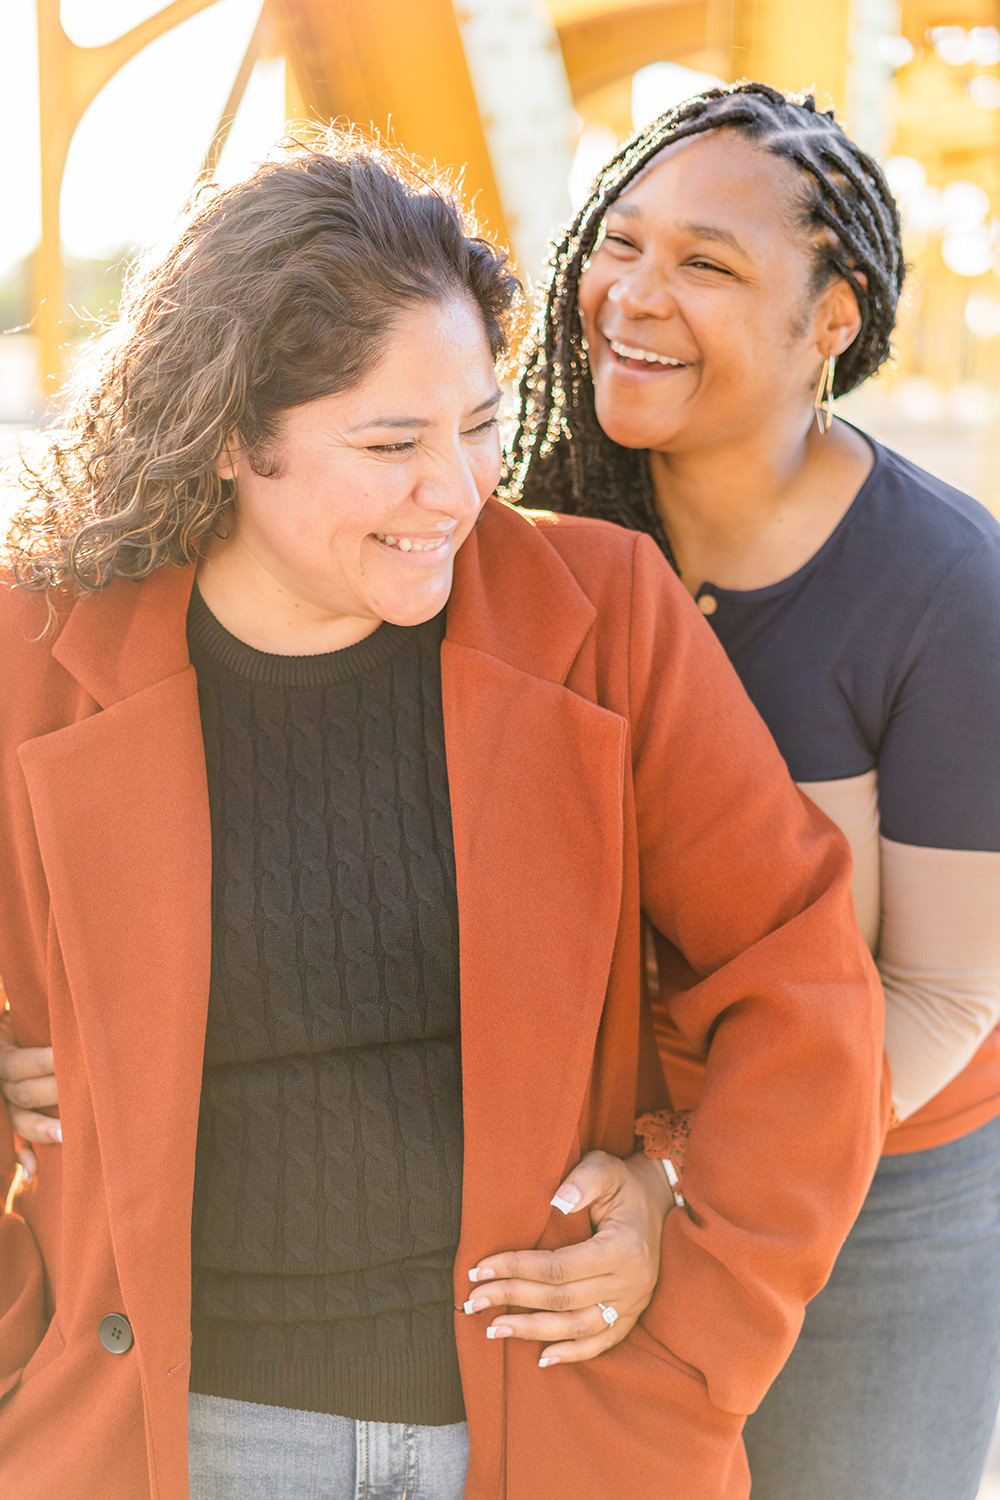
(635, 1423)
(23, 1330)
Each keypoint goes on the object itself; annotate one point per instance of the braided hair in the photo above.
(559, 458)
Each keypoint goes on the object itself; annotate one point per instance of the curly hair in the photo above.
(559, 458)
(272, 293)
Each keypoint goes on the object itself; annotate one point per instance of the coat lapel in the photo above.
(536, 780)
(121, 811)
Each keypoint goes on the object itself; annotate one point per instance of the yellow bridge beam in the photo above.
(601, 46)
(70, 78)
(399, 66)
(795, 46)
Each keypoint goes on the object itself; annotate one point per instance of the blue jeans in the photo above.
(241, 1451)
(891, 1392)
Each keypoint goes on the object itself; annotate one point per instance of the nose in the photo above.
(452, 486)
(642, 291)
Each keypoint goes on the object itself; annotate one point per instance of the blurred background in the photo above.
(111, 110)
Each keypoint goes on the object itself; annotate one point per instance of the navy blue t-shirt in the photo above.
(877, 669)
(884, 650)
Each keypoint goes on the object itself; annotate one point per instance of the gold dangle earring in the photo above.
(823, 400)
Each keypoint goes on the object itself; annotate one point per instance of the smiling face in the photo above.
(374, 490)
(696, 301)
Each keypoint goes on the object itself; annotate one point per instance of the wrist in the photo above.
(651, 1176)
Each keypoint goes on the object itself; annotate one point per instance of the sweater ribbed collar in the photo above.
(211, 642)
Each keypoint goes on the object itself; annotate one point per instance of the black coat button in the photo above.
(115, 1333)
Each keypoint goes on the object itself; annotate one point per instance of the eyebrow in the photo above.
(418, 422)
(713, 232)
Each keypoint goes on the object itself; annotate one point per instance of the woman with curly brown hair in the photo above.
(736, 267)
(333, 791)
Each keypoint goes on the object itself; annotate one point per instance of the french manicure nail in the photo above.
(499, 1333)
(476, 1304)
(482, 1273)
(546, 1360)
(567, 1201)
(57, 1133)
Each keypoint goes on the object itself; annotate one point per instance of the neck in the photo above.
(260, 611)
(745, 514)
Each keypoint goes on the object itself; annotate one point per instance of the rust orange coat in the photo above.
(602, 759)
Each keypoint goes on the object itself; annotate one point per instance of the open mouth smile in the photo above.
(413, 543)
(644, 356)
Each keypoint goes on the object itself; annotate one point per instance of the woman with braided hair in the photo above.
(736, 267)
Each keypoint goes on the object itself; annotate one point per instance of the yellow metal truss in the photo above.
(399, 65)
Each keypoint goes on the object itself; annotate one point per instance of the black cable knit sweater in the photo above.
(328, 1177)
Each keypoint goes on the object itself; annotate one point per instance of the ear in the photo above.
(838, 319)
(227, 464)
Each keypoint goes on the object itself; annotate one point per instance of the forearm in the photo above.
(939, 961)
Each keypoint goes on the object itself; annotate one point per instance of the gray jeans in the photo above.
(241, 1451)
(891, 1391)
